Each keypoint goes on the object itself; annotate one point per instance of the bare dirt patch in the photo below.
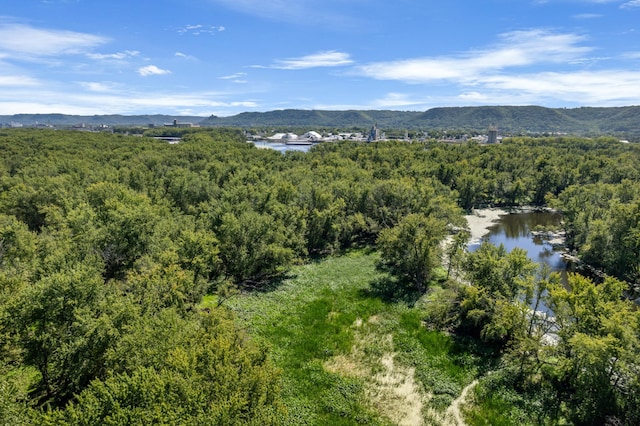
(481, 220)
(453, 415)
(389, 387)
(396, 394)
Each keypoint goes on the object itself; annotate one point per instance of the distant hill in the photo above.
(95, 120)
(508, 119)
(318, 118)
(619, 120)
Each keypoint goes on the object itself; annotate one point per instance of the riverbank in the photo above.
(480, 220)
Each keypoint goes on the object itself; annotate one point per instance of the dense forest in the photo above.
(128, 267)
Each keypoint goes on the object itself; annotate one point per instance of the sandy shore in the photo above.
(481, 220)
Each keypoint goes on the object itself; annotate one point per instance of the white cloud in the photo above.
(199, 29)
(631, 4)
(518, 49)
(233, 76)
(114, 56)
(23, 40)
(587, 16)
(17, 80)
(185, 56)
(95, 86)
(527, 67)
(396, 100)
(330, 58)
(120, 100)
(152, 70)
(607, 87)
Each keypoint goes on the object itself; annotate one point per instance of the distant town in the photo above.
(485, 124)
(374, 135)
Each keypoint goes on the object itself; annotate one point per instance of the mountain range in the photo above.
(508, 119)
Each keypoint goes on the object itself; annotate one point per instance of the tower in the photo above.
(493, 135)
(374, 134)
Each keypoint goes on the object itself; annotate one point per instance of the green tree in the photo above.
(456, 249)
(411, 249)
(199, 252)
(253, 247)
(64, 324)
(127, 220)
(495, 304)
(593, 367)
(202, 371)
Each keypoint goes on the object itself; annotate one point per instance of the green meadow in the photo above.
(349, 355)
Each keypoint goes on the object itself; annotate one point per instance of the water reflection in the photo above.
(514, 230)
(282, 147)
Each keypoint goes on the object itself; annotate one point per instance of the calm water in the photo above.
(282, 147)
(514, 230)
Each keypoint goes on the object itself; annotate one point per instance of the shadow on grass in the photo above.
(392, 290)
(486, 357)
(267, 285)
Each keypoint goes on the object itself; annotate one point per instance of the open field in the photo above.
(348, 356)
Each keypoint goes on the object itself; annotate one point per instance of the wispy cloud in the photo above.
(27, 41)
(296, 12)
(119, 100)
(198, 29)
(152, 70)
(98, 86)
(625, 4)
(517, 49)
(233, 76)
(631, 4)
(185, 56)
(533, 66)
(585, 87)
(238, 78)
(119, 56)
(392, 100)
(395, 100)
(17, 80)
(329, 58)
(587, 16)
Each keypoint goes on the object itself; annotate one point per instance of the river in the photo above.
(514, 230)
(282, 147)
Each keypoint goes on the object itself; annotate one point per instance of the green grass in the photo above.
(500, 405)
(310, 317)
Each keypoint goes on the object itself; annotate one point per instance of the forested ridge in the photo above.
(510, 120)
(109, 243)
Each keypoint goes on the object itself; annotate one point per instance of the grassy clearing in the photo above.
(347, 356)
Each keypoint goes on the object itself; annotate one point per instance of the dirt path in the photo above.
(391, 387)
(453, 415)
(396, 393)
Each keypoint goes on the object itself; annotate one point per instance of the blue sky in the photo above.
(222, 57)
